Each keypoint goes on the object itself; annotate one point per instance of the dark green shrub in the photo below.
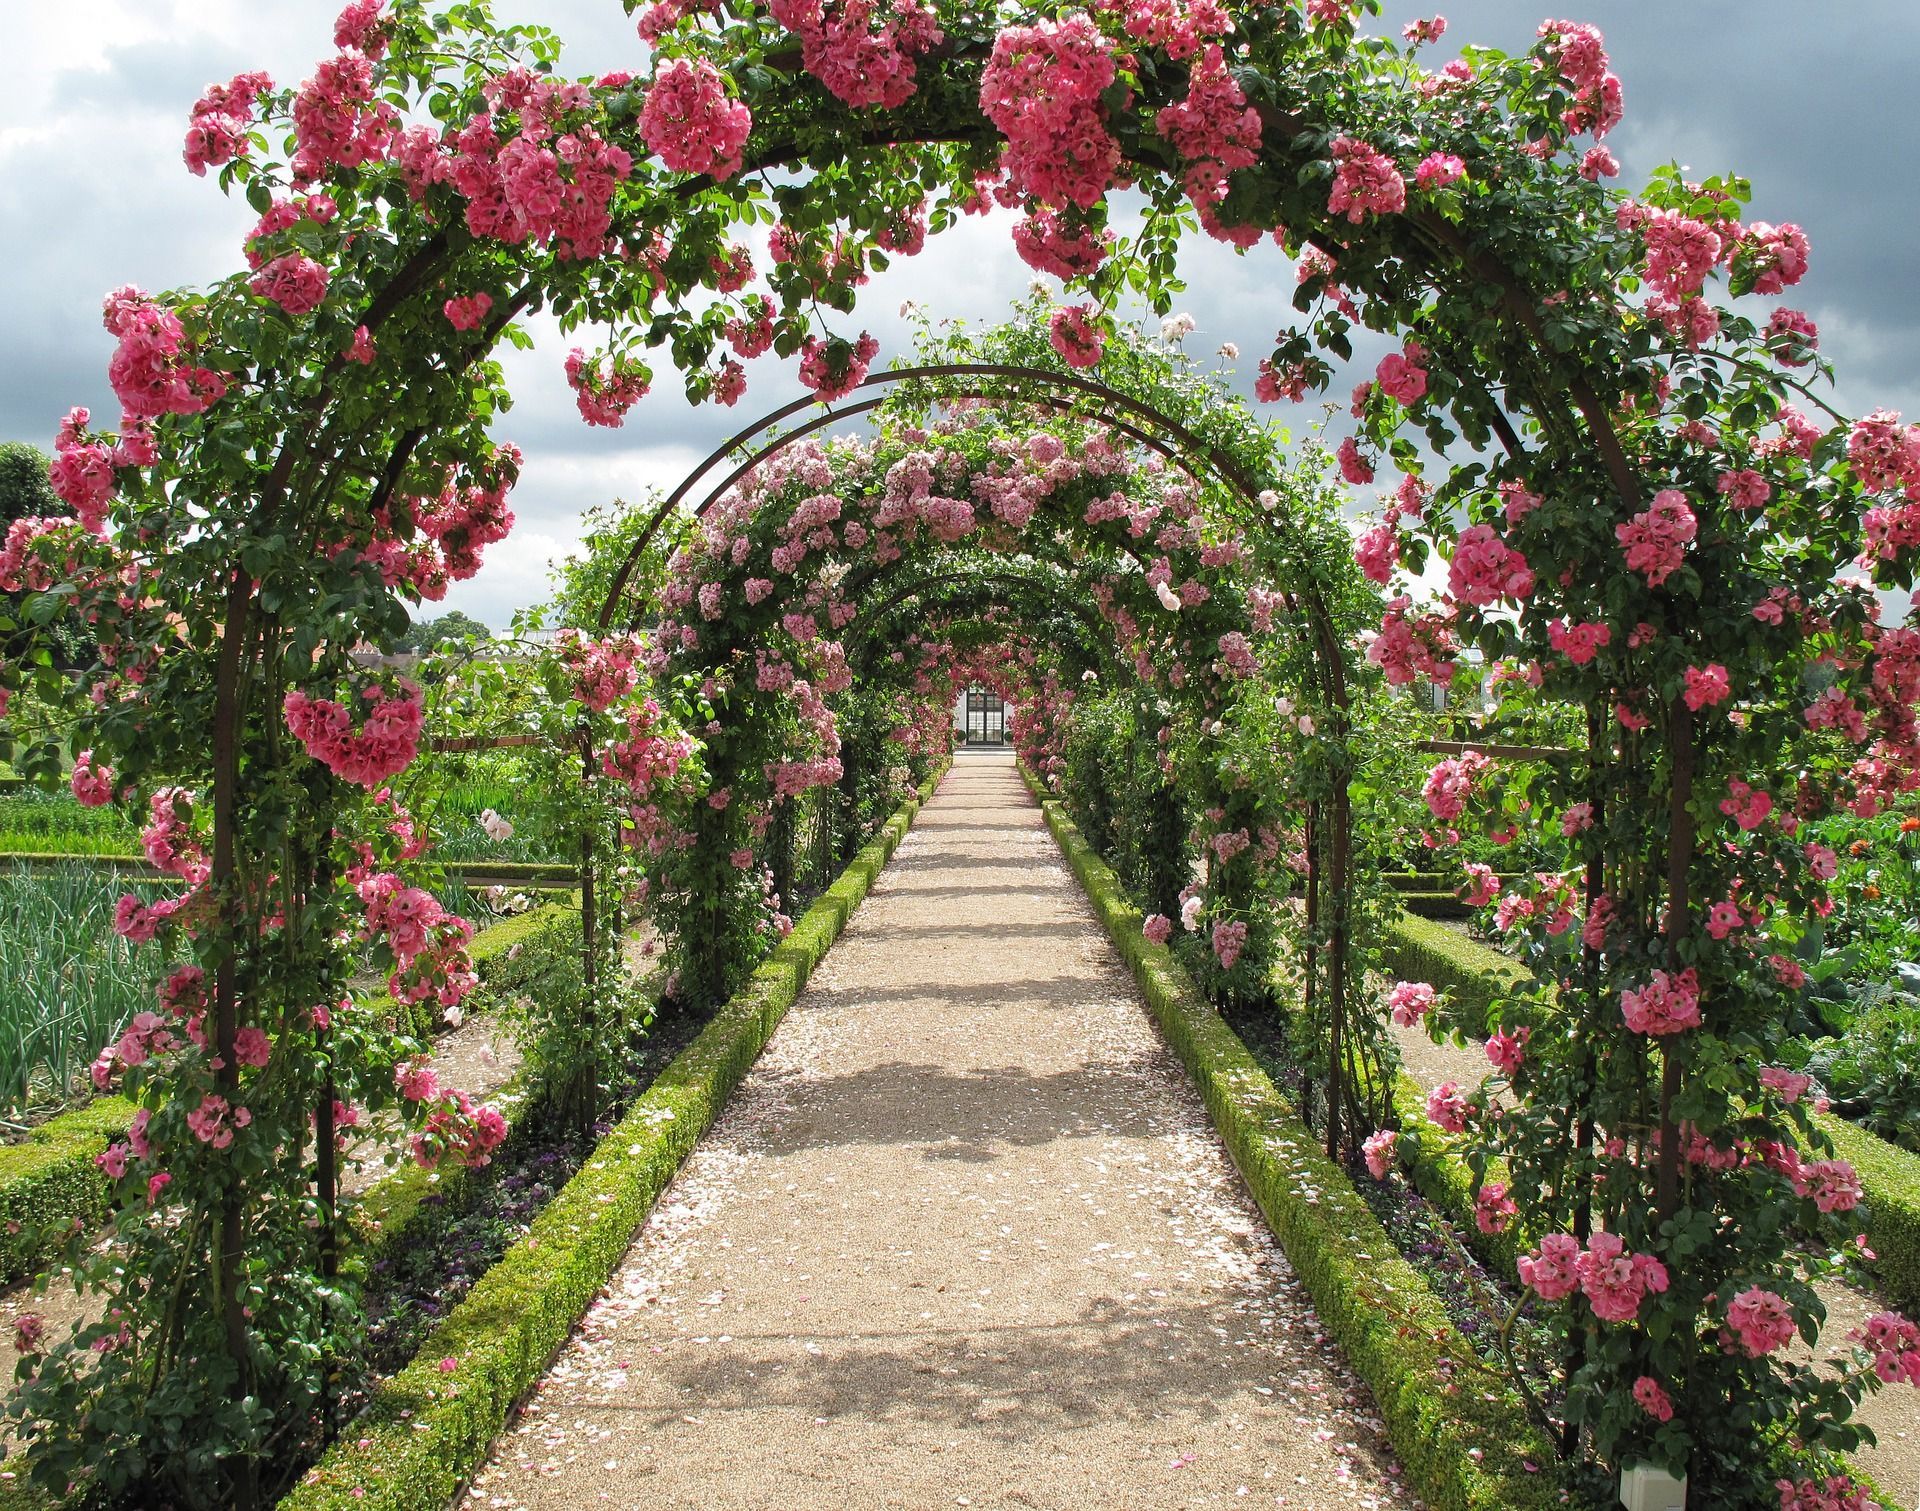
(1872, 1072)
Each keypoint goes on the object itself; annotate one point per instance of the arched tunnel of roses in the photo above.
(1644, 538)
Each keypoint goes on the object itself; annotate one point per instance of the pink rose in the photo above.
(1761, 1321)
(1379, 1152)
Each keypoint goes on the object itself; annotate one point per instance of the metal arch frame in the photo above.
(1303, 598)
(865, 620)
(1184, 442)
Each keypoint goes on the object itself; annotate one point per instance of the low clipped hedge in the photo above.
(1393, 1329)
(1417, 949)
(429, 1427)
(1435, 905)
(49, 1182)
(1890, 1179)
(496, 941)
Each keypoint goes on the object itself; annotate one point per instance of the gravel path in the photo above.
(964, 1237)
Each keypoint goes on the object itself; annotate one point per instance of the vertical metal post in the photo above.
(586, 1079)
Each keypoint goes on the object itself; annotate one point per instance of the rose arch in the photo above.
(1012, 471)
(1645, 512)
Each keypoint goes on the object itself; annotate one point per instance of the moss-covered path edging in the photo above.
(1465, 1436)
(429, 1427)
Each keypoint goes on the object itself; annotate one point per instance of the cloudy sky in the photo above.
(1809, 101)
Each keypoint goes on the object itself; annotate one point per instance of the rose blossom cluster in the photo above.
(651, 754)
(1057, 242)
(429, 944)
(605, 390)
(1439, 170)
(218, 127)
(1507, 1052)
(138, 922)
(151, 370)
(385, 743)
(1447, 1107)
(1883, 453)
(1655, 540)
(1667, 1004)
(1378, 1150)
(1366, 182)
(168, 840)
(1614, 1281)
(1651, 1397)
(1229, 941)
(1485, 569)
(1837, 1492)
(1578, 52)
(146, 1035)
(447, 532)
(1075, 336)
(1402, 375)
(1286, 380)
(1413, 645)
(550, 183)
(1378, 552)
(82, 471)
(338, 121)
(861, 50)
(1450, 784)
(1760, 1321)
(455, 1127)
(603, 671)
(1213, 128)
(294, 281)
(92, 785)
(690, 123)
(834, 368)
(1894, 1342)
(1041, 89)
(1494, 1209)
(1579, 643)
(1410, 1001)
(214, 1122)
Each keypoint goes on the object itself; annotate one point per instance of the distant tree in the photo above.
(25, 493)
(425, 635)
(24, 489)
